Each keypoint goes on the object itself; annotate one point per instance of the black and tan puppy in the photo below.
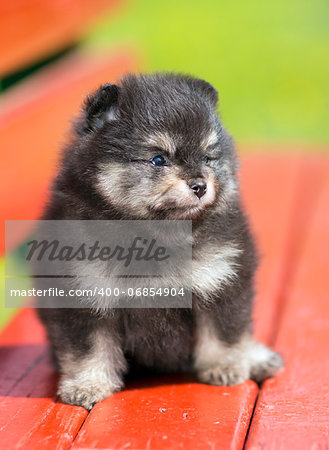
(153, 148)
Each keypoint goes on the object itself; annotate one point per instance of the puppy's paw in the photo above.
(264, 363)
(86, 395)
(224, 375)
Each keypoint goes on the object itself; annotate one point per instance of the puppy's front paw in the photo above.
(224, 375)
(86, 395)
(265, 363)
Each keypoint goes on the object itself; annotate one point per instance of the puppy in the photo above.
(151, 148)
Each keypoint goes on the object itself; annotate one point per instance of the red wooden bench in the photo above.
(33, 29)
(287, 198)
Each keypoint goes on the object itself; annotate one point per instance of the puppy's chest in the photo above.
(213, 267)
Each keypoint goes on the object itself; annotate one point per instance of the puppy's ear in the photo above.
(101, 107)
(208, 90)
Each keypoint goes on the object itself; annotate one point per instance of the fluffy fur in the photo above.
(106, 173)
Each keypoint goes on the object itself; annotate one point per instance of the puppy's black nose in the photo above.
(199, 187)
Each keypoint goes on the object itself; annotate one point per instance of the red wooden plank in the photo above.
(24, 328)
(292, 411)
(186, 416)
(269, 186)
(279, 212)
(29, 416)
(22, 344)
(33, 121)
(33, 29)
(15, 363)
(58, 429)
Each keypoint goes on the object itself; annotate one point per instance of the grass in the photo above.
(269, 60)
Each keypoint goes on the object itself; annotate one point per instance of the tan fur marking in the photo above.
(211, 139)
(163, 141)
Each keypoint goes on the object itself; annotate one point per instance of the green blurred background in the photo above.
(268, 60)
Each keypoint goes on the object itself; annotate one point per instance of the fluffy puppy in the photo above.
(153, 147)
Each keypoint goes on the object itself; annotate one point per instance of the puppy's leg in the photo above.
(91, 377)
(222, 363)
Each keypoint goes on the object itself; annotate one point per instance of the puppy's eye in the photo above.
(158, 160)
(208, 159)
